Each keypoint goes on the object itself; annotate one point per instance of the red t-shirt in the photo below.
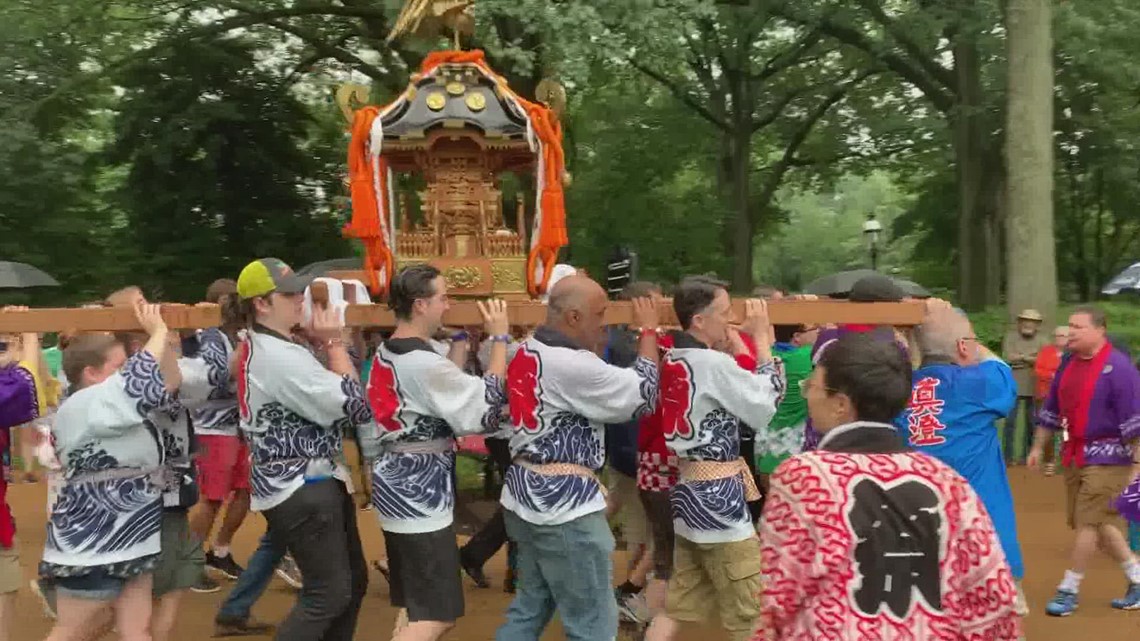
(1074, 395)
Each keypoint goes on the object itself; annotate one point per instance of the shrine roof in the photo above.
(455, 96)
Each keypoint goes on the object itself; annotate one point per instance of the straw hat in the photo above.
(1031, 315)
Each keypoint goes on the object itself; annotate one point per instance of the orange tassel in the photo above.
(366, 208)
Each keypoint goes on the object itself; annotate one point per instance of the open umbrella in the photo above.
(322, 267)
(839, 284)
(1127, 280)
(21, 275)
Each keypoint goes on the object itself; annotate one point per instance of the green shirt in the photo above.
(53, 356)
(785, 434)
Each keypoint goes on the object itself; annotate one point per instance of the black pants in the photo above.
(318, 527)
(748, 453)
(487, 541)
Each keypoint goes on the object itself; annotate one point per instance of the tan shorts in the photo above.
(724, 574)
(631, 513)
(1090, 492)
(10, 575)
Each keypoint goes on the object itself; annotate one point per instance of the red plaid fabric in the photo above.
(657, 473)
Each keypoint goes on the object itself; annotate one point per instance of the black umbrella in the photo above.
(1127, 280)
(21, 275)
(322, 267)
(839, 284)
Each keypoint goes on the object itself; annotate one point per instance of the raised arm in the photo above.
(469, 404)
(607, 394)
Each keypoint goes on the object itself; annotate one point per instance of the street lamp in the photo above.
(871, 230)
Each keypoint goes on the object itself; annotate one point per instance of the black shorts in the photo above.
(660, 514)
(425, 574)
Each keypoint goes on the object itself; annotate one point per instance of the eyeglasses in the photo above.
(806, 384)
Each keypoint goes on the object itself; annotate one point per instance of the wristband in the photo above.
(333, 342)
(460, 336)
(501, 338)
(645, 331)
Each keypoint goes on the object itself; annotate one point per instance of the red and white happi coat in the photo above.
(863, 540)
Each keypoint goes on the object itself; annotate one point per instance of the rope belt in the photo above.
(156, 475)
(561, 469)
(716, 470)
(434, 446)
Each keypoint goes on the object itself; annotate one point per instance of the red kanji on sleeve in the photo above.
(384, 396)
(523, 391)
(675, 399)
(925, 408)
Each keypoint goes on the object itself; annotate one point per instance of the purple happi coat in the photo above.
(19, 404)
(1101, 436)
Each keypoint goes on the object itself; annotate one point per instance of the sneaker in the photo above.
(289, 572)
(225, 626)
(477, 575)
(1063, 604)
(634, 608)
(205, 585)
(1131, 600)
(224, 564)
(45, 593)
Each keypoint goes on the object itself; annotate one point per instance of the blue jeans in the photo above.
(253, 581)
(1134, 536)
(566, 568)
(1009, 432)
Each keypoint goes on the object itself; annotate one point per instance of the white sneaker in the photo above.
(634, 608)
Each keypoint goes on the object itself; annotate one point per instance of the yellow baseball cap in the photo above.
(267, 275)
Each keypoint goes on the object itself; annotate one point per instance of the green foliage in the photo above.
(217, 168)
(167, 143)
(824, 232)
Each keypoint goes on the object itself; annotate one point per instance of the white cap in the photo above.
(559, 272)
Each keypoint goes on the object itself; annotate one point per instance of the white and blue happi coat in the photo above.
(207, 388)
(294, 413)
(705, 395)
(561, 397)
(109, 511)
(421, 401)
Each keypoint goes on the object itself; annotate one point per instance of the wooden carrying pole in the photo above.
(104, 319)
(462, 313)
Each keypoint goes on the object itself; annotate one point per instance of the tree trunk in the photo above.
(970, 157)
(742, 227)
(1029, 159)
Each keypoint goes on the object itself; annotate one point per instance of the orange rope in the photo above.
(366, 207)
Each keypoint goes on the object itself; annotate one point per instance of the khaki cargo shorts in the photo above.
(1090, 492)
(631, 513)
(10, 574)
(726, 575)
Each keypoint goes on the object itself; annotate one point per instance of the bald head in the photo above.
(576, 308)
(573, 293)
(941, 336)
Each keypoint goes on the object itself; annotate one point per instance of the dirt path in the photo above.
(1043, 536)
